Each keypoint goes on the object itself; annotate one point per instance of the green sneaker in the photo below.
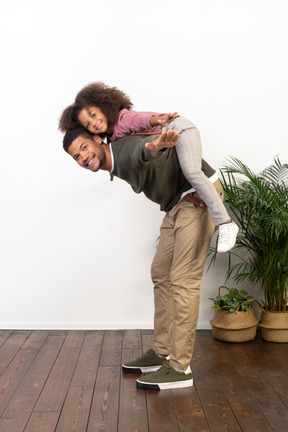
(166, 378)
(149, 362)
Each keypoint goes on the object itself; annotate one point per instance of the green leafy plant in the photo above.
(259, 204)
(233, 300)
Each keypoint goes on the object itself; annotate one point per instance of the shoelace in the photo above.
(165, 368)
(148, 353)
(224, 235)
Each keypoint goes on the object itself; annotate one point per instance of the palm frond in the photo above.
(277, 173)
(259, 205)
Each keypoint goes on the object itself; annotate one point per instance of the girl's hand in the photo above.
(168, 118)
(165, 140)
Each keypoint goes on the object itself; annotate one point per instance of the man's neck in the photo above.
(107, 163)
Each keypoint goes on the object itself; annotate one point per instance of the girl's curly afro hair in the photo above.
(69, 118)
(109, 100)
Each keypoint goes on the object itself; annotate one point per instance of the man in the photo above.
(150, 165)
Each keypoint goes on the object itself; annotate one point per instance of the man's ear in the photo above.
(97, 139)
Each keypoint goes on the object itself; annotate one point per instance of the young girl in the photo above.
(105, 110)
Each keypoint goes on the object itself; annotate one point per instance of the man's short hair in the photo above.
(72, 134)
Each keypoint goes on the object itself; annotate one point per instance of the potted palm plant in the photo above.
(259, 204)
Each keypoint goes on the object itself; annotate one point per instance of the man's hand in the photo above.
(165, 140)
(168, 118)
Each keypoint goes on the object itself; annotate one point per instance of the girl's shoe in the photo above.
(227, 236)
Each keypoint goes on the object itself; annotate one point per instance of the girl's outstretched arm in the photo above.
(163, 120)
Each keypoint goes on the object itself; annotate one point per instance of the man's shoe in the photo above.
(227, 236)
(166, 378)
(149, 362)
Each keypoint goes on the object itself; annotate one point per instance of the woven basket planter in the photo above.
(234, 327)
(274, 326)
(239, 326)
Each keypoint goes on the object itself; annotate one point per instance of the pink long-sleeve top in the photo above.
(134, 123)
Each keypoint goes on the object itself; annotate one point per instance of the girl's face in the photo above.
(94, 120)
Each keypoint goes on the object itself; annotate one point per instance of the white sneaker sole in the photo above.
(164, 386)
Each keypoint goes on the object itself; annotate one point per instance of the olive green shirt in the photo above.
(155, 173)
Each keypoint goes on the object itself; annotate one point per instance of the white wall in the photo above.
(75, 248)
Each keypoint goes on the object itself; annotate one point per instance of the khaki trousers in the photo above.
(177, 270)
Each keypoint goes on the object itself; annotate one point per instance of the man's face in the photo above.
(87, 153)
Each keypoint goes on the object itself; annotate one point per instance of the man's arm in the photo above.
(165, 140)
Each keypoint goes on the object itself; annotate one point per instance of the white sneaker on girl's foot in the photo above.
(227, 236)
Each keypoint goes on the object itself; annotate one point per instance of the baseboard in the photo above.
(74, 326)
(85, 326)
(204, 325)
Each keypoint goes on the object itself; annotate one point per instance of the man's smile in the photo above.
(93, 162)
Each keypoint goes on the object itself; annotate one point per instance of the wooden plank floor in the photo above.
(64, 381)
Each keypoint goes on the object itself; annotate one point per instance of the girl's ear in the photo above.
(97, 139)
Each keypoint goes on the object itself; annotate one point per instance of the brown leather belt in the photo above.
(195, 200)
